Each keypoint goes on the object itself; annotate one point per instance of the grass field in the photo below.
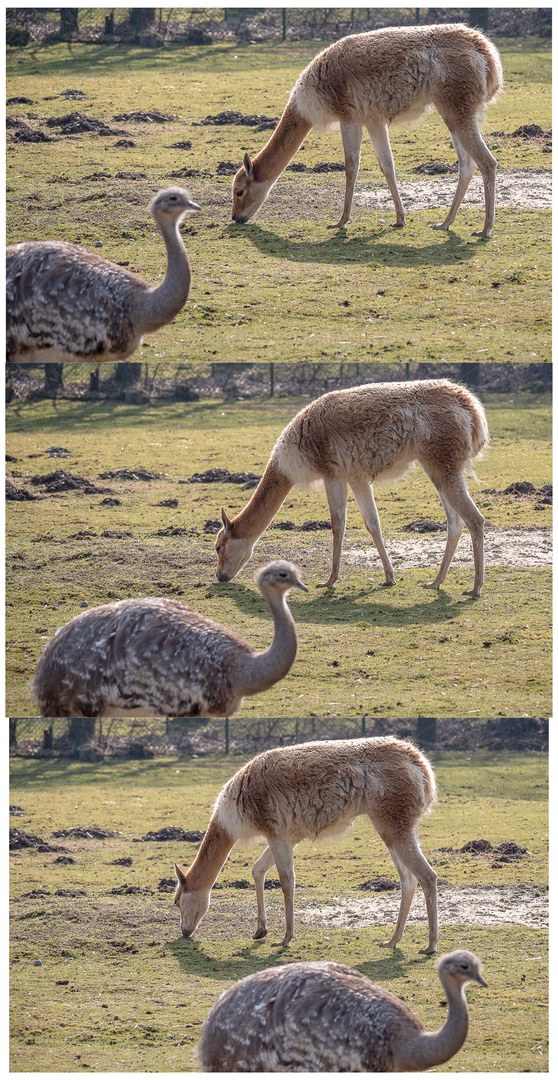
(117, 989)
(283, 287)
(362, 649)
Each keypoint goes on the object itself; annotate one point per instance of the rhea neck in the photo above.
(267, 499)
(288, 136)
(433, 1048)
(264, 669)
(160, 305)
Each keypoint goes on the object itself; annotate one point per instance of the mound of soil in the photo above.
(24, 133)
(75, 123)
(379, 884)
(174, 832)
(435, 168)
(72, 95)
(425, 525)
(146, 118)
(222, 476)
(93, 833)
(168, 502)
(19, 101)
(20, 839)
(128, 474)
(227, 168)
(229, 116)
(507, 851)
(65, 481)
(185, 144)
(16, 494)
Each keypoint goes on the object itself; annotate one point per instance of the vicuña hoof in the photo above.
(429, 951)
(260, 933)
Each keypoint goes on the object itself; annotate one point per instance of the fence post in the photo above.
(284, 38)
(13, 732)
(271, 379)
(364, 727)
(427, 731)
(227, 735)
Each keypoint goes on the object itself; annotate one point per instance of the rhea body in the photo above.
(374, 80)
(351, 438)
(64, 303)
(311, 791)
(327, 1017)
(158, 657)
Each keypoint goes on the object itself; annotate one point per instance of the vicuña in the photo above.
(315, 790)
(356, 436)
(374, 80)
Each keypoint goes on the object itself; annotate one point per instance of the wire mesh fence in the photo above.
(92, 738)
(156, 27)
(139, 382)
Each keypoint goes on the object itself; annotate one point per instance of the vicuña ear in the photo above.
(248, 167)
(227, 523)
(180, 875)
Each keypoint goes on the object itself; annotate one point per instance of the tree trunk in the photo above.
(53, 379)
(82, 731)
(68, 22)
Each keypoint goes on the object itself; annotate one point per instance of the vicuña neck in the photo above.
(433, 1048)
(212, 855)
(268, 497)
(160, 305)
(289, 134)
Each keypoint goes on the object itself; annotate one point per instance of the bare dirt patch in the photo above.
(480, 905)
(503, 547)
(528, 188)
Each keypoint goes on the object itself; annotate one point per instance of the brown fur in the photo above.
(353, 437)
(374, 80)
(310, 791)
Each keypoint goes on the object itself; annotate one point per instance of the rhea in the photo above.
(64, 303)
(312, 791)
(327, 1017)
(376, 80)
(356, 436)
(158, 657)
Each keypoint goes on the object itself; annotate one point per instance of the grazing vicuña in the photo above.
(374, 80)
(353, 437)
(316, 790)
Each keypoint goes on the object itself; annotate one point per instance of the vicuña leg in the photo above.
(259, 870)
(351, 135)
(380, 144)
(472, 143)
(336, 492)
(406, 854)
(453, 493)
(466, 170)
(284, 861)
(455, 528)
(364, 498)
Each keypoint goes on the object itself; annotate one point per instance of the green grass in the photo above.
(284, 287)
(362, 649)
(119, 990)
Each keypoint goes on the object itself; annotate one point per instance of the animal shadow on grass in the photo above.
(193, 959)
(343, 249)
(369, 604)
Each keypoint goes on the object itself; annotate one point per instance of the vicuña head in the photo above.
(233, 551)
(248, 193)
